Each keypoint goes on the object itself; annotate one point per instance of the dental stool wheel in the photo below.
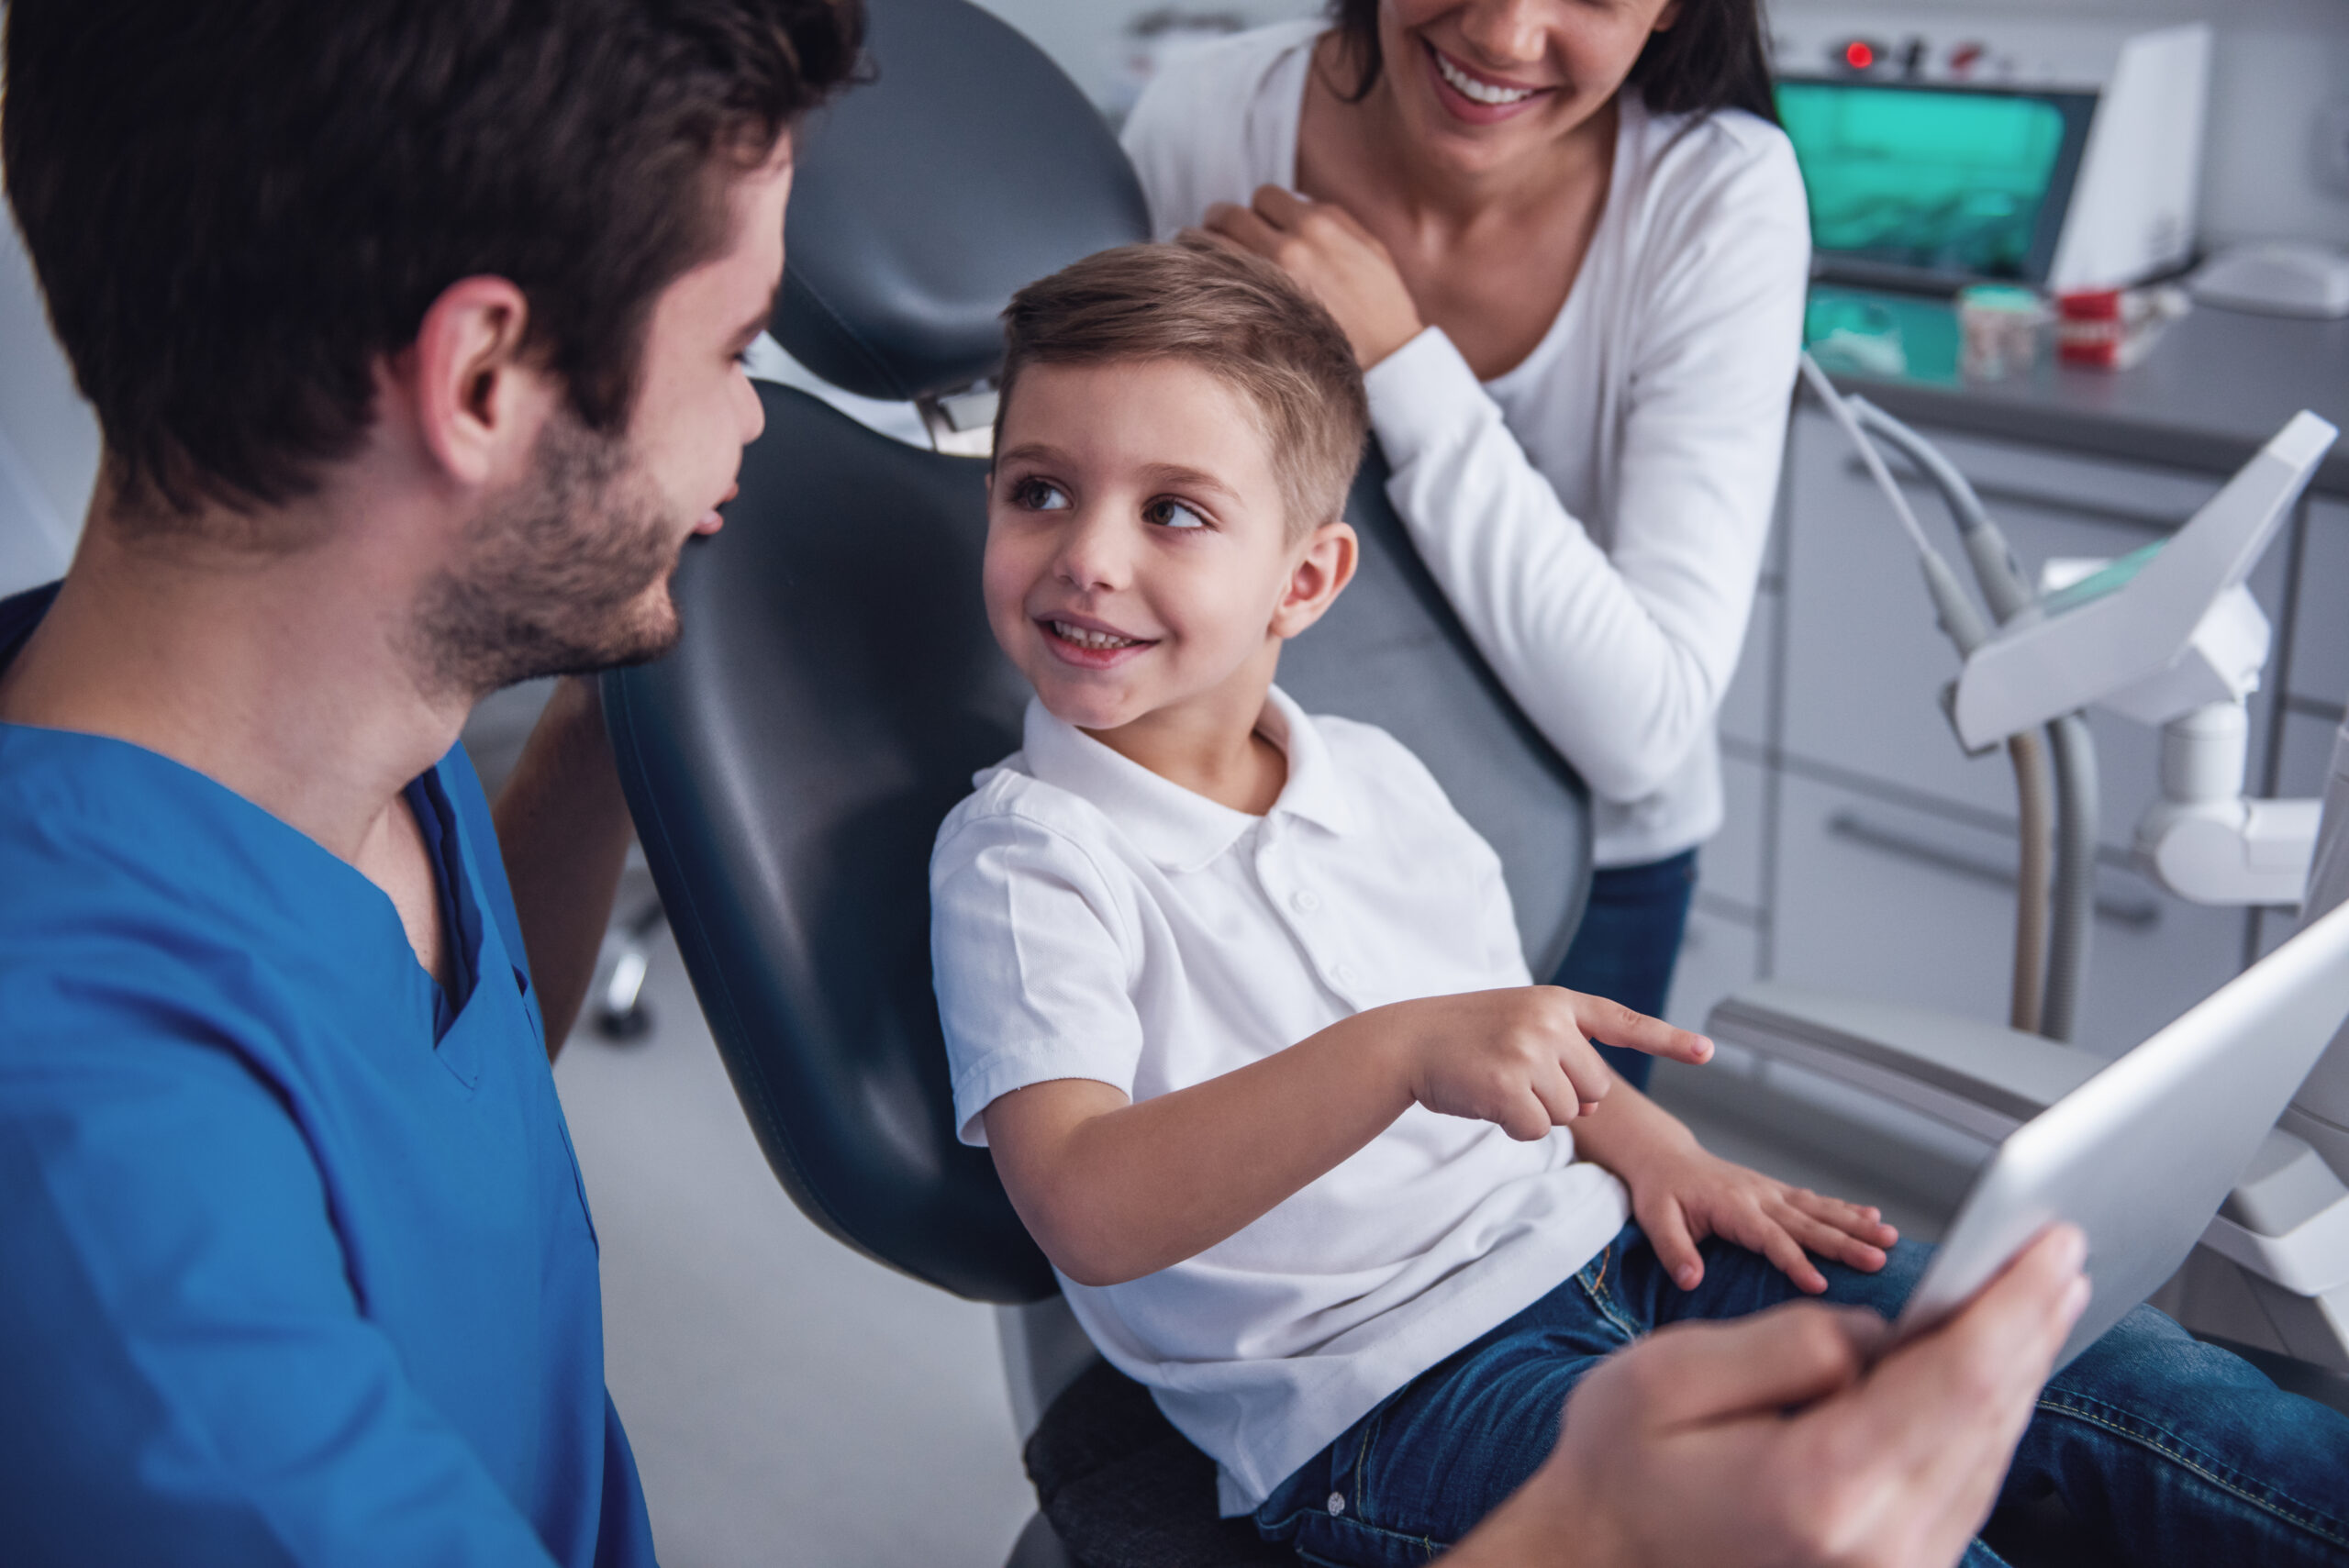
(622, 1015)
(624, 1027)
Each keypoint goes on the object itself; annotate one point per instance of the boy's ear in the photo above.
(1320, 575)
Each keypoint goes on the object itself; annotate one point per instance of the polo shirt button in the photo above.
(1341, 973)
(1306, 901)
(1337, 1503)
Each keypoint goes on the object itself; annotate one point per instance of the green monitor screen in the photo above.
(1947, 184)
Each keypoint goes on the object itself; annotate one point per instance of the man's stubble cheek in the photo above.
(568, 576)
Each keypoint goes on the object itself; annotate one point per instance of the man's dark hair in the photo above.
(236, 209)
(1714, 56)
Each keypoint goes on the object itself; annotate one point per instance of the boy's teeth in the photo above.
(1467, 86)
(1086, 639)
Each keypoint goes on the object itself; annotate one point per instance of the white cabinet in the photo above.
(1888, 900)
(2321, 616)
(1717, 957)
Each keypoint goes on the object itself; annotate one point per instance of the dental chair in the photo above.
(836, 686)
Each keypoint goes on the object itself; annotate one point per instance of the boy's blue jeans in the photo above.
(2175, 1451)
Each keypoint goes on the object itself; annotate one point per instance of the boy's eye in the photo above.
(1168, 513)
(1039, 496)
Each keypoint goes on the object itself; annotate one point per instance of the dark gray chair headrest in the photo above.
(968, 167)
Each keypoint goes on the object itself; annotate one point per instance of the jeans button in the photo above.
(1337, 1503)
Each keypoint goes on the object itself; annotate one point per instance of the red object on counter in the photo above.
(2113, 329)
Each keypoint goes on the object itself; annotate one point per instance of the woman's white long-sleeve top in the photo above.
(1597, 515)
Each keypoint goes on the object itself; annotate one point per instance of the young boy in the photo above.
(1236, 999)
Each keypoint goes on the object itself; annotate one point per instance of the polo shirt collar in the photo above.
(1181, 831)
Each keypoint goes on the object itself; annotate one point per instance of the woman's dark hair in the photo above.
(1714, 56)
(237, 207)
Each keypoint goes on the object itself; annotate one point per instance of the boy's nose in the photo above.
(1092, 554)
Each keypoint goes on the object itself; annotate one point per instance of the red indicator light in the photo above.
(1858, 55)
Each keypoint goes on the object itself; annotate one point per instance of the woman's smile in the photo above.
(1474, 96)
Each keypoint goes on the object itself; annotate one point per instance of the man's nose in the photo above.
(752, 408)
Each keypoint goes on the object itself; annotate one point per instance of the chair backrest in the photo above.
(837, 685)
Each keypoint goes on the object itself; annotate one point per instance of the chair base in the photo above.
(1121, 1488)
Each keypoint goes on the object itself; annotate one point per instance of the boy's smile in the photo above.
(1140, 569)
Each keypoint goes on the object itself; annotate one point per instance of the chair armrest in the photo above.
(1977, 1077)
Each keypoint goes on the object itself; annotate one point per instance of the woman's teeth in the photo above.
(1086, 639)
(1468, 87)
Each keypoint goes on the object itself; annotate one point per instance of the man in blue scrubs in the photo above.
(413, 327)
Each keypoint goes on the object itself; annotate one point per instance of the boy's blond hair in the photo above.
(1237, 317)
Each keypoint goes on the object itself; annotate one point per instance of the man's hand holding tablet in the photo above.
(1680, 1449)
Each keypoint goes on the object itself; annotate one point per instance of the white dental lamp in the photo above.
(2169, 636)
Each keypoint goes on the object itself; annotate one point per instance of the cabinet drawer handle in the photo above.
(1993, 493)
(2137, 914)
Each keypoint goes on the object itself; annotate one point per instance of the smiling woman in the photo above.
(1567, 243)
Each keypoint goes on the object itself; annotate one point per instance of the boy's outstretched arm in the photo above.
(1113, 1190)
(1681, 1194)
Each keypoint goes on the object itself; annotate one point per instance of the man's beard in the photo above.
(554, 577)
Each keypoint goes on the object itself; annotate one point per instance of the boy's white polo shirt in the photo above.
(1090, 919)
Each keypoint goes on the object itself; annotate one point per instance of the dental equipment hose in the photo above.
(2044, 999)
(2071, 748)
(2031, 799)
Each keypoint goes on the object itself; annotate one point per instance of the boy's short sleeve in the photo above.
(1029, 963)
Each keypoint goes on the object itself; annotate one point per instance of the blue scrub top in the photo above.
(296, 1265)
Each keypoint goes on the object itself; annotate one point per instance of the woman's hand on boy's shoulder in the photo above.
(1326, 250)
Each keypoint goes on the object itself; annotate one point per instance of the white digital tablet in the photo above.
(2142, 1155)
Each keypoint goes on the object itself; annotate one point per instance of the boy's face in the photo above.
(1139, 562)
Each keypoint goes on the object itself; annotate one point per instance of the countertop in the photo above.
(2209, 393)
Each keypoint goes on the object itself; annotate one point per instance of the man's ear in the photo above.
(478, 406)
(1320, 575)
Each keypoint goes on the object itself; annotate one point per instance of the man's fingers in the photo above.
(1703, 1372)
(2032, 1304)
(1617, 1024)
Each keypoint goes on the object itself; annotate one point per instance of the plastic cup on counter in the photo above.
(2000, 329)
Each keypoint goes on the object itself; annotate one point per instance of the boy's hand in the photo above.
(1521, 1059)
(1680, 1195)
